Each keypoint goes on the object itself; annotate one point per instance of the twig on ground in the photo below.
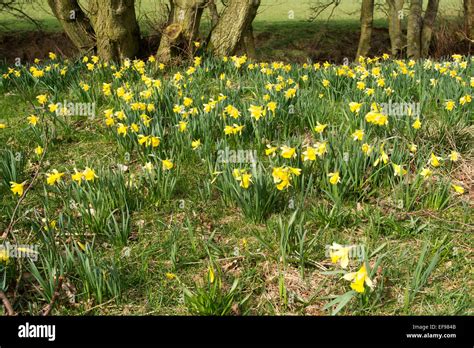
(7, 304)
(47, 310)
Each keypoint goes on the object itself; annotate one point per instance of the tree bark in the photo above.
(116, 28)
(414, 30)
(75, 23)
(249, 43)
(182, 30)
(232, 27)
(366, 23)
(469, 18)
(428, 24)
(211, 5)
(395, 16)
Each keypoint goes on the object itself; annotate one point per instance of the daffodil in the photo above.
(122, 129)
(366, 149)
(53, 177)
(358, 135)
(360, 85)
(398, 169)
(232, 111)
(376, 118)
(39, 150)
(257, 111)
(426, 173)
(89, 174)
(170, 276)
(33, 120)
(4, 254)
(77, 176)
(459, 189)
(143, 139)
(465, 99)
(294, 171)
(243, 177)
(435, 160)
(234, 129)
(272, 106)
(38, 73)
(290, 93)
(107, 89)
(416, 124)
(334, 178)
(359, 279)
(321, 148)
(148, 167)
(339, 253)
(42, 99)
(355, 107)
(449, 105)
(288, 152)
(167, 164)
(383, 156)
(211, 275)
(187, 102)
(320, 127)
(182, 125)
(271, 150)
(454, 156)
(281, 177)
(195, 144)
(16, 188)
(309, 154)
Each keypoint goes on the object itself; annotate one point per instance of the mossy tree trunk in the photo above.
(428, 24)
(366, 23)
(75, 23)
(233, 26)
(182, 30)
(116, 28)
(395, 16)
(414, 29)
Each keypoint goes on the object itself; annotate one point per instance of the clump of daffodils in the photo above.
(359, 279)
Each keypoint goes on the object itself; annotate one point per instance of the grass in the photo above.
(192, 241)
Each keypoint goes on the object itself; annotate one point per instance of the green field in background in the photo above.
(270, 11)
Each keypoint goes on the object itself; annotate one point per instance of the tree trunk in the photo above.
(211, 5)
(75, 23)
(428, 24)
(366, 22)
(469, 19)
(395, 16)
(116, 28)
(233, 24)
(249, 43)
(178, 37)
(414, 30)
